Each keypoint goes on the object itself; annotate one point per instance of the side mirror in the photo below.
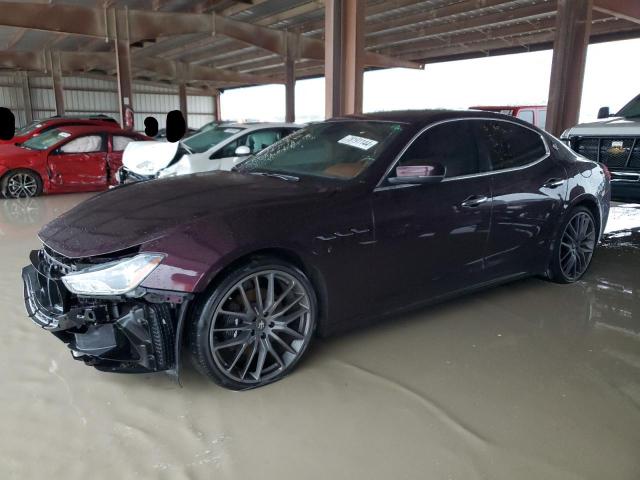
(418, 174)
(242, 151)
(604, 112)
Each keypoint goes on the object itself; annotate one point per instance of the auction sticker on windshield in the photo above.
(231, 130)
(358, 142)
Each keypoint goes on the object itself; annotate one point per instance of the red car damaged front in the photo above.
(63, 160)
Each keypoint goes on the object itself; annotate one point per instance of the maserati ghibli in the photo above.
(341, 223)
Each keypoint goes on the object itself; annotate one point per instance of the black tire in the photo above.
(210, 328)
(33, 180)
(558, 271)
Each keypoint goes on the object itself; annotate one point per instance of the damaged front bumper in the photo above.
(124, 176)
(118, 334)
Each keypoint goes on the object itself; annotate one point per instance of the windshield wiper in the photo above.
(281, 176)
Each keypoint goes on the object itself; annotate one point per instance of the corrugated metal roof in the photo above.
(423, 31)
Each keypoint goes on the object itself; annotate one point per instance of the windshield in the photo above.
(203, 141)
(46, 140)
(29, 128)
(631, 109)
(341, 150)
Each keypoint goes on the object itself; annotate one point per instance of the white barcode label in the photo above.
(358, 142)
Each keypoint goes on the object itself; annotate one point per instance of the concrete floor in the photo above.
(528, 381)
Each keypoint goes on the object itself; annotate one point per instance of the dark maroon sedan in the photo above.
(338, 224)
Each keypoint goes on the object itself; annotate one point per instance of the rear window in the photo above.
(526, 115)
(29, 128)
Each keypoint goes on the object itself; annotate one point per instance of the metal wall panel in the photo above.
(200, 110)
(89, 95)
(11, 97)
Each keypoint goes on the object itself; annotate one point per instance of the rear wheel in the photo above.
(21, 184)
(575, 246)
(255, 326)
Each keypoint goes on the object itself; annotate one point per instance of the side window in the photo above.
(542, 118)
(228, 150)
(261, 139)
(509, 145)
(451, 144)
(526, 115)
(120, 142)
(87, 144)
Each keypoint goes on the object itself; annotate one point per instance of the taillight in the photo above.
(607, 173)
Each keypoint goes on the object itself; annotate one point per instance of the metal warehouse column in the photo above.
(26, 98)
(56, 80)
(344, 52)
(573, 27)
(123, 61)
(290, 90)
(217, 115)
(182, 97)
(291, 53)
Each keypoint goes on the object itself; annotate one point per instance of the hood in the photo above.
(9, 152)
(147, 158)
(607, 126)
(138, 213)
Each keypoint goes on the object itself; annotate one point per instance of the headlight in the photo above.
(113, 278)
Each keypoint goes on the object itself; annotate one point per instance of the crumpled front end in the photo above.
(124, 176)
(116, 333)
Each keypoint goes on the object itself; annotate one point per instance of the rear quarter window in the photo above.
(509, 145)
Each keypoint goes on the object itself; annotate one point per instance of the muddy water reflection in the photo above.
(530, 380)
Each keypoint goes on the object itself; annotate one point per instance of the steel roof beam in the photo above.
(79, 62)
(145, 25)
(625, 9)
(482, 21)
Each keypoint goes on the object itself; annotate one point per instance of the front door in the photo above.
(79, 165)
(255, 141)
(431, 238)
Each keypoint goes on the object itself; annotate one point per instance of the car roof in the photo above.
(88, 120)
(78, 129)
(256, 125)
(505, 107)
(421, 118)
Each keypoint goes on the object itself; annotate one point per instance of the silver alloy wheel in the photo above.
(261, 327)
(577, 245)
(22, 185)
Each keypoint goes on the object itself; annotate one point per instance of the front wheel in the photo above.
(574, 247)
(255, 326)
(21, 184)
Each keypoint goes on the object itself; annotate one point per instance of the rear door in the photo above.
(529, 187)
(431, 238)
(80, 164)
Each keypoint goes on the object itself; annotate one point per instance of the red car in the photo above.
(534, 114)
(65, 159)
(38, 127)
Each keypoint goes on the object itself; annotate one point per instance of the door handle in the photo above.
(553, 183)
(474, 201)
